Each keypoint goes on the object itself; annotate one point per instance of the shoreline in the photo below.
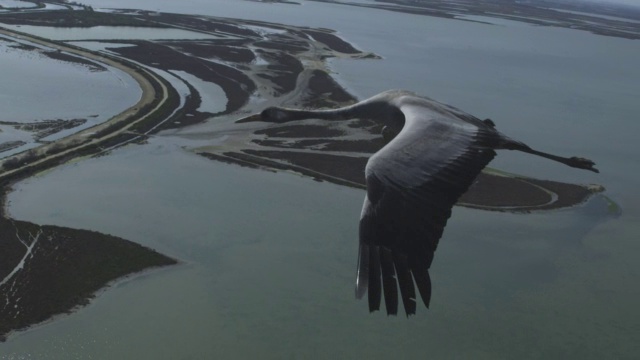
(105, 248)
(301, 79)
(86, 139)
(285, 65)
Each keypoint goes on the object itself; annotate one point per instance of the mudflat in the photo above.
(47, 270)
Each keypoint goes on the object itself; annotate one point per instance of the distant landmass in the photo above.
(617, 20)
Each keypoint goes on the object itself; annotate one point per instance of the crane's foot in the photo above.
(582, 163)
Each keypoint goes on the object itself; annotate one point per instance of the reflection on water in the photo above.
(269, 259)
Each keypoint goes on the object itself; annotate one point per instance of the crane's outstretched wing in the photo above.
(412, 184)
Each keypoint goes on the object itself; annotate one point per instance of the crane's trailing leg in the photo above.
(574, 161)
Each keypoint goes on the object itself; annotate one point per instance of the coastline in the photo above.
(154, 94)
(284, 68)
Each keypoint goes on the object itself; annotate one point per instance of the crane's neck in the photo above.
(378, 111)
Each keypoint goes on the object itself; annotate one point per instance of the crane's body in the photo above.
(412, 184)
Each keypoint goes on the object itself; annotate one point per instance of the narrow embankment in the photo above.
(150, 106)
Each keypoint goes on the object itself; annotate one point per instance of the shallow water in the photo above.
(63, 90)
(15, 4)
(213, 98)
(269, 259)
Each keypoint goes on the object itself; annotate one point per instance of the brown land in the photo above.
(62, 269)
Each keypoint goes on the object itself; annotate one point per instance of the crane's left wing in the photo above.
(412, 184)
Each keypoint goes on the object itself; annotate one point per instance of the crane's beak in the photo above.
(250, 118)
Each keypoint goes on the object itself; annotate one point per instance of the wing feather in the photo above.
(412, 185)
(374, 278)
(389, 281)
(407, 290)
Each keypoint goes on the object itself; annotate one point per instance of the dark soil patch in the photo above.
(65, 270)
(45, 128)
(332, 41)
(489, 191)
(59, 55)
(361, 146)
(283, 43)
(203, 23)
(283, 70)
(324, 91)
(234, 52)
(236, 84)
(341, 167)
(74, 18)
(496, 191)
(8, 145)
(297, 131)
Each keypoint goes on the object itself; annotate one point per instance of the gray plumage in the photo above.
(434, 153)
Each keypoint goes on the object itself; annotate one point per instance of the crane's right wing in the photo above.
(412, 184)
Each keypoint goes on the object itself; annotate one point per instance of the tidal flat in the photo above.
(234, 47)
